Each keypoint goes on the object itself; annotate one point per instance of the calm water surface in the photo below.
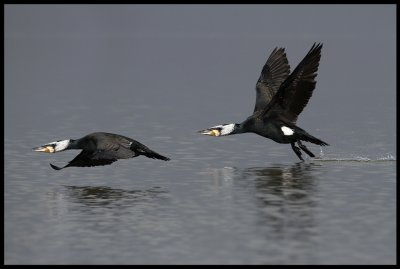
(212, 203)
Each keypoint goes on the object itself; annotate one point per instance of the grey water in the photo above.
(158, 74)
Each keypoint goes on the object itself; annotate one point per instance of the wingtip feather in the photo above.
(55, 167)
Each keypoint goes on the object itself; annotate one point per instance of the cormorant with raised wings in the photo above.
(279, 101)
(100, 149)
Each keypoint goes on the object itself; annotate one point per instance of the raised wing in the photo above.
(274, 72)
(296, 90)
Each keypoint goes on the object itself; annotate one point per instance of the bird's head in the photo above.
(220, 130)
(53, 146)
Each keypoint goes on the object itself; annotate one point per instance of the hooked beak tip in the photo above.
(206, 131)
(209, 132)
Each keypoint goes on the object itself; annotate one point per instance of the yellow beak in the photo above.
(209, 132)
(46, 149)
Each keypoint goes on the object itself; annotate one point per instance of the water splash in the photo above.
(321, 152)
(355, 158)
(387, 157)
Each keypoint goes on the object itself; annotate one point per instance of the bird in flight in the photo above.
(280, 97)
(100, 149)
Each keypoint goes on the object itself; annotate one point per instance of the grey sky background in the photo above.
(190, 65)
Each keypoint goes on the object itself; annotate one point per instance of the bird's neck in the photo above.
(236, 128)
(73, 144)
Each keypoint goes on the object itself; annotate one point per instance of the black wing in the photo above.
(87, 159)
(107, 151)
(110, 148)
(126, 147)
(119, 147)
(296, 90)
(274, 72)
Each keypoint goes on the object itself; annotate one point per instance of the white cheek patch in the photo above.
(287, 130)
(61, 145)
(227, 129)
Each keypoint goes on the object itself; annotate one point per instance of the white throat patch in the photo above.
(227, 128)
(287, 130)
(61, 145)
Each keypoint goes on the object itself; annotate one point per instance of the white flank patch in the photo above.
(60, 145)
(287, 130)
(227, 129)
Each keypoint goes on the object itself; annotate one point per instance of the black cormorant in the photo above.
(100, 149)
(280, 99)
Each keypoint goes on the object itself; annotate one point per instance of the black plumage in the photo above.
(101, 149)
(280, 97)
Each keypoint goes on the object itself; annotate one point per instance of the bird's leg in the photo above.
(297, 151)
(305, 149)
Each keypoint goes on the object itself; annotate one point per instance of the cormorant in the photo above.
(280, 98)
(100, 149)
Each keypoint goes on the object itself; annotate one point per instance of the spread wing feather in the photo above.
(295, 92)
(274, 72)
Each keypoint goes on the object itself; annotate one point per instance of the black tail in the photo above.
(303, 135)
(154, 155)
(314, 140)
(141, 149)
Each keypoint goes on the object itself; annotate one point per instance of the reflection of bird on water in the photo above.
(100, 149)
(292, 182)
(298, 171)
(103, 195)
(280, 99)
(286, 198)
